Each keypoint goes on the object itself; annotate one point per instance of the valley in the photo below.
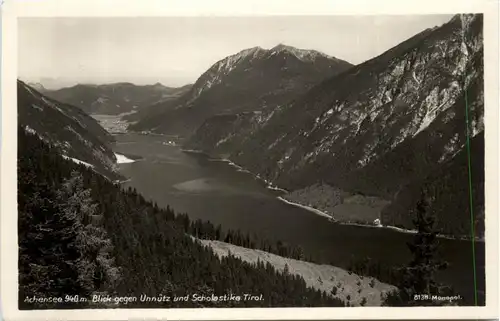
(113, 124)
(283, 172)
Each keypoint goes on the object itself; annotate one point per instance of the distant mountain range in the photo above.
(113, 99)
(253, 79)
(73, 133)
(386, 128)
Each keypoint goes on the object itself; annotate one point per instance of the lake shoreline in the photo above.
(307, 208)
(122, 159)
(390, 227)
(319, 212)
(239, 168)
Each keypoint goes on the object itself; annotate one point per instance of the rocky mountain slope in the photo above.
(253, 79)
(37, 86)
(76, 135)
(115, 98)
(377, 129)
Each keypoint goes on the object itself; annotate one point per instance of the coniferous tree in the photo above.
(97, 271)
(418, 278)
(46, 252)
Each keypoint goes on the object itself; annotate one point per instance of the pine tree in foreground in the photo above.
(97, 271)
(418, 285)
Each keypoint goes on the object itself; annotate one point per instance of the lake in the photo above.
(211, 189)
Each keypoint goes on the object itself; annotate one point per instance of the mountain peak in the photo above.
(282, 46)
(246, 58)
(302, 54)
(36, 85)
(248, 52)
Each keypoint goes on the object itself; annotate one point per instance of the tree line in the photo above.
(80, 234)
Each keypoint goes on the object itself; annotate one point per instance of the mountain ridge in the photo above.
(114, 98)
(252, 79)
(68, 129)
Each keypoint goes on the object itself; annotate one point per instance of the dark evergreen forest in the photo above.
(80, 234)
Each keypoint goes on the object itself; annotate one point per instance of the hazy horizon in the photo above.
(175, 51)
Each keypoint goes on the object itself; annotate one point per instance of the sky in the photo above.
(176, 50)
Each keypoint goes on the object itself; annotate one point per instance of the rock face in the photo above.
(254, 79)
(76, 135)
(379, 128)
(114, 99)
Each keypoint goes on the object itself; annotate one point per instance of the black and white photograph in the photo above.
(273, 161)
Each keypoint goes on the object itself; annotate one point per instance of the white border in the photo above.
(49, 8)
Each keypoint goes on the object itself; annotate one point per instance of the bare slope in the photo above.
(349, 286)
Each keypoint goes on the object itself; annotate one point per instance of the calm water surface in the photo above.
(213, 190)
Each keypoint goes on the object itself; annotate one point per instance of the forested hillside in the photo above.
(81, 235)
(71, 132)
